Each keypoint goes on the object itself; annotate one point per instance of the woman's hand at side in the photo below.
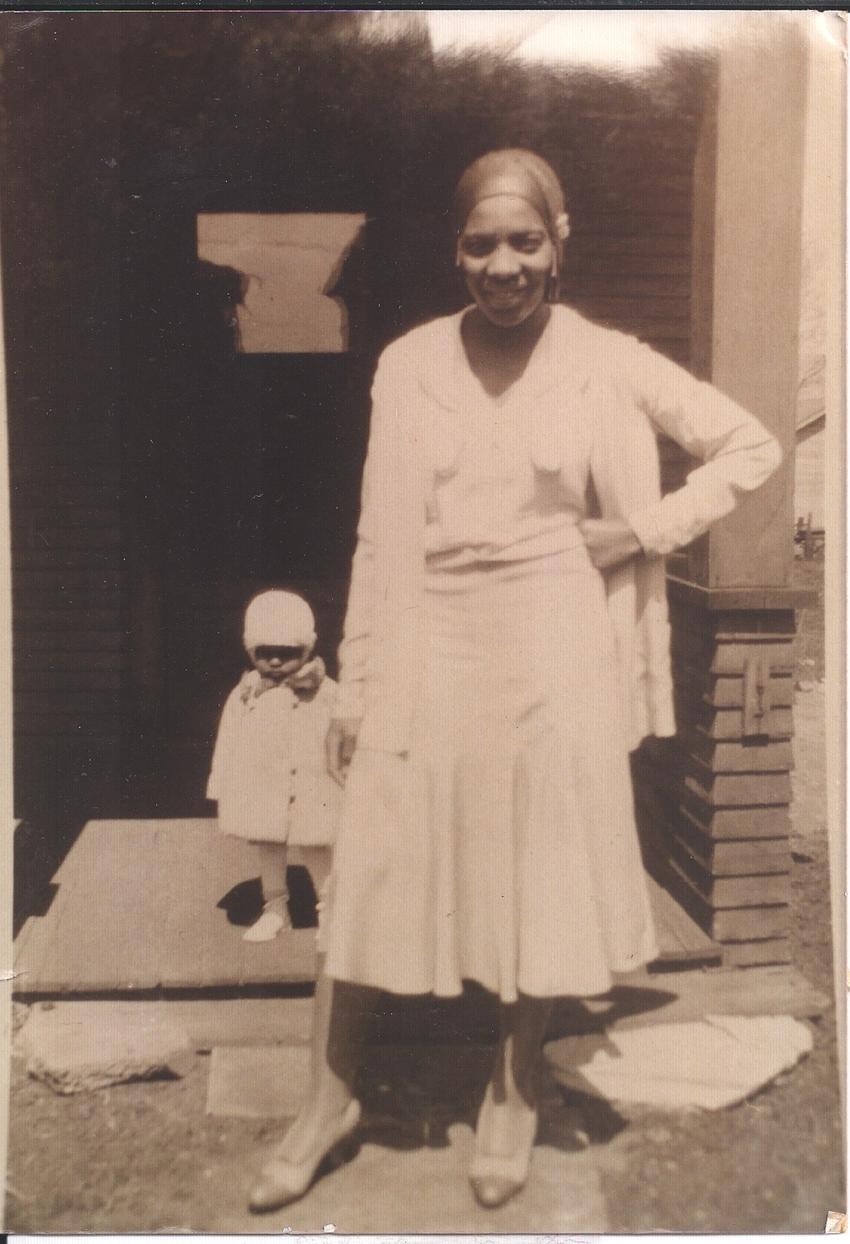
(610, 541)
(340, 743)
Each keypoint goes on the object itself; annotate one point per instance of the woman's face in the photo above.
(506, 256)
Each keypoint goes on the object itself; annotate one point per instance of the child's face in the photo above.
(278, 663)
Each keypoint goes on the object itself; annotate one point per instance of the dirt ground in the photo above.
(146, 1157)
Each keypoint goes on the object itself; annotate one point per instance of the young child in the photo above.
(269, 774)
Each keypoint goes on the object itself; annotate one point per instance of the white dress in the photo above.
(500, 845)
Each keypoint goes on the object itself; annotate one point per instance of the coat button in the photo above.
(292, 799)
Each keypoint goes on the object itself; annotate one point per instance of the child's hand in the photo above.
(339, 746)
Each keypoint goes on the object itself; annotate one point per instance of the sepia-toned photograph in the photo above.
(426, 575)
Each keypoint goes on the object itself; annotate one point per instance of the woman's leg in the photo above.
(513, 1085)
(507, 1122)
(340, 1022)
(330, 1113)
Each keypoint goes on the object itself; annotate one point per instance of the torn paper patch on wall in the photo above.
(290, 266)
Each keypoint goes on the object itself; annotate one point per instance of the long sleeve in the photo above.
(738, 453)
(358, 633)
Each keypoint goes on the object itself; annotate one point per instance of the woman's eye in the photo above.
(477, 246)
(528, 243)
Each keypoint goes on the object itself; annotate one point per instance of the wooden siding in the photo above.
(713, 804)
(60, 261)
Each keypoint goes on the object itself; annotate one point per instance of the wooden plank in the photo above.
(60, 619)
(729, 822)
(144, 895)
(635, 309)
(82, 956)
(68, 730)
(20, 955)
(729, 692)
(62, 496)
(59, 559)
(71, 641)
(724, 758)
(735, 625)
(727, 724)
(727, 892)
(772, 950)
(646, 330)
(733, 857)
(77, 705)
(32, 954)
(71, 681)
(735, 790)
(752, 890)
(682, 997)
(67, 537)
(614, 284)
(75, 513)
(730, 658)
(80, 579)
(751, 924)
(751, 858)
(603, 265)
(721, 599)
(628, 223)
(28, 663)
(192, 921)
(694, 644)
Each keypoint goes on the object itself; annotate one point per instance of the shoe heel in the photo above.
(345, 1151)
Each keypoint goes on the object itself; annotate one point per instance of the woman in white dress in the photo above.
(503, 652)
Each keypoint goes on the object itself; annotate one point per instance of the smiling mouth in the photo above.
(506, 296)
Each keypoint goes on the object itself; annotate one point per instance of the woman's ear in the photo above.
(562, 226)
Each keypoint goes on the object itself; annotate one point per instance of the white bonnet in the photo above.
(279, 620)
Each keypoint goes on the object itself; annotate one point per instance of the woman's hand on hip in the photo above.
(609, 541)
(340, 743)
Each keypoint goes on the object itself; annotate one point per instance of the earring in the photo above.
(553, 285)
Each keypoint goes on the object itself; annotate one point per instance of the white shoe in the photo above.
(267, 927)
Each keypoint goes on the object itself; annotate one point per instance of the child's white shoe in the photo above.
(274, 919)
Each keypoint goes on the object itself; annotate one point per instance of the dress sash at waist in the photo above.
(446, 574)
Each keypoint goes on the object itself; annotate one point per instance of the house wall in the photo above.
(158, 477)
(61, 261)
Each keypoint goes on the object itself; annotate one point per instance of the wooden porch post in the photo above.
(721, 818)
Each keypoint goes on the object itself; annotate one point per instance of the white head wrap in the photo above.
(279, 620)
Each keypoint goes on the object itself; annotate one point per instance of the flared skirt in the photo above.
(502, 847)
